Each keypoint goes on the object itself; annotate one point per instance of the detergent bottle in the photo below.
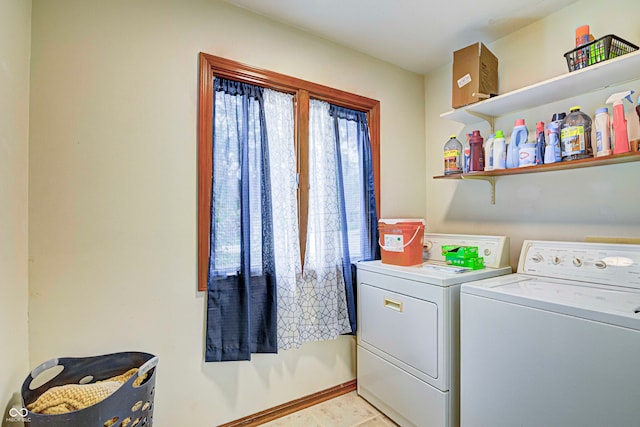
(540, 144)
(552, 153)
(603, 137)
(519, 136)
(499, 150)
(488, 153)
(575, 135)
(476, 162)
(466, 154)
(621, 136)
(452, 156)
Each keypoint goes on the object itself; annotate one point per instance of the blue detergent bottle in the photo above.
(519, 136)
(540, 143)
(552, 152)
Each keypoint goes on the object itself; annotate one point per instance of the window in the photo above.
(303, 93)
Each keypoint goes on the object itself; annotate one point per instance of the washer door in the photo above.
(401, 326)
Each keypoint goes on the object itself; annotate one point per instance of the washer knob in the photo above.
(428, 245)
(537, 258)
(487, 252)
(556, 260)
(577, 262)
(600, 264)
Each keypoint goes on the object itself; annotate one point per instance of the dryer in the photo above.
(557, 343)
(408, 330)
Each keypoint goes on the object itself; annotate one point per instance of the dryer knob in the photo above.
(487, 252)
(577, 262)
(556, 260)
(537, 258)
(428, 245)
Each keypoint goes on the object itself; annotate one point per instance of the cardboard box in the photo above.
(475, 75)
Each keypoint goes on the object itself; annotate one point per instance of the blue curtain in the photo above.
(356, 194)
(241, 303)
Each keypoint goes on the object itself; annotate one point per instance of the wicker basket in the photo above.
(128, 406)
(600, 50)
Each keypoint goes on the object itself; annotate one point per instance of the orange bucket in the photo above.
(401, 241)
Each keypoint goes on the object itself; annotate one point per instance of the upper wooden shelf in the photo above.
(614, 71)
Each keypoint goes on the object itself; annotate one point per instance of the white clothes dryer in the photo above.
(557, 343)
(408, 330)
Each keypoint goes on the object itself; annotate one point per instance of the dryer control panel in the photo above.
(603, 263)
(494, 249)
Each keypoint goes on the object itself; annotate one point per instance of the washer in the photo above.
(557, 343)
(408, 330)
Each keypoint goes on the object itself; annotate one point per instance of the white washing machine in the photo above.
(557, 343)
(408, 330)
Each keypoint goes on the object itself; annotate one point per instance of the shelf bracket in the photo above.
(489, 119)
(490, 179)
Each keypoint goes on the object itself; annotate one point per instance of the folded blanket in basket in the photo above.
(72, 397)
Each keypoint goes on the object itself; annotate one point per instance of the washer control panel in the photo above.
(612, 264)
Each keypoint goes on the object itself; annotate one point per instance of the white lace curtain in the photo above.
(311, 305)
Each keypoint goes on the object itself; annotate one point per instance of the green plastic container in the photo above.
(472, 263)
(458, 251)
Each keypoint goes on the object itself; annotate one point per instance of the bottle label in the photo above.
(451, 161)
(527, 155)
(573, 142)
(599, 141)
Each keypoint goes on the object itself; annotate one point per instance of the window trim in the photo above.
(213, 66)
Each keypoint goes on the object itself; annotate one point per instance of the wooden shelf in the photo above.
(632, 156)
(614, 71)
(491, 176)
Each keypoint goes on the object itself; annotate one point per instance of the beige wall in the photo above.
(113, 189)
(15, 28)
(567, 205)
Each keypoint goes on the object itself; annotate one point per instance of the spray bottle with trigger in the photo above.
(621, 144)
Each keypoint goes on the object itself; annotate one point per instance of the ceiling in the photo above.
(417, 35)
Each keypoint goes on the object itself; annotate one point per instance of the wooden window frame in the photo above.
(213, 66)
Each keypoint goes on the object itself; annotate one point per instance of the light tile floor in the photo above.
(348, 410)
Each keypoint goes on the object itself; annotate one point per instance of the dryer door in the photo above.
(402, 328)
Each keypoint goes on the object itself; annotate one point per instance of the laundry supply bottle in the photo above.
(620, 132)
(518, 136)
(476, 163)
(540, 143)
(552, 152)
(499, 150)
(466, 154)
(527, 153)
(575, 135)
(452, 156)
(603, 136)
(488, 153)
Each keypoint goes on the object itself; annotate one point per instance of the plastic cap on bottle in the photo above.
(602, 110)
(575, 108)
(520, 122)
(453, 136)
(499, 134)
(475, 137)
(540, 126)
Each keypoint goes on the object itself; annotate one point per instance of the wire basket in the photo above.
(130, 405)
(600, 50)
